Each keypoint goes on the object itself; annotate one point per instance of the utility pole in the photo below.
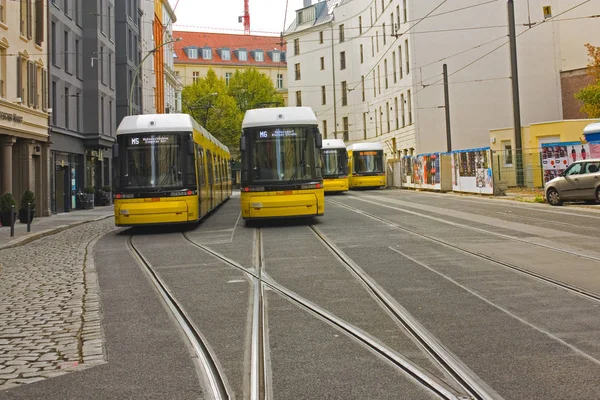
(515, 91)
(447, 108)
(334, 96)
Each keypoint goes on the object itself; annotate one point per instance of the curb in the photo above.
(47, 232)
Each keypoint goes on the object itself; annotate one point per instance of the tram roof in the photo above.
(334, 144)
(148, 123)
(278, 116)
(365, 146)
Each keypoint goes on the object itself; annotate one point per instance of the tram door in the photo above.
(211, 179)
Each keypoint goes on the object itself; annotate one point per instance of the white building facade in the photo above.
(372, 70)
(147, 69)
(173, 86)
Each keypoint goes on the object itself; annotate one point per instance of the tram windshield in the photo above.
(334, 162)
(368, 162)
(152, 161)
(283, 154)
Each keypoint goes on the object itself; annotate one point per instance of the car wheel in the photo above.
(553, 198)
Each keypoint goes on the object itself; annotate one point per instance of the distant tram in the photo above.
(334, 160)
(169, 170)
(366, 163)
(281, 174)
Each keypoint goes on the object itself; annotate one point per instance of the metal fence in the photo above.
(509, 172)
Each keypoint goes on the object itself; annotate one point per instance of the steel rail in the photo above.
(216, 381)
(560, 284)
(466, 378)
(430, 382)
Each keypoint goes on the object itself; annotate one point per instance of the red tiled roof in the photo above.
(232, 42)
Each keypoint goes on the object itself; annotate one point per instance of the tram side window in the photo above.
(209, 157)
(191, 169)
(200, 162)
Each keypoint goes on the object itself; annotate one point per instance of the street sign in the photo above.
(547, 12)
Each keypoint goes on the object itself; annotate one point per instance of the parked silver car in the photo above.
(580, 181)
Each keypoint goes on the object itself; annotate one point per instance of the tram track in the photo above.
(215, 381)
(546, 279)
(260, 380)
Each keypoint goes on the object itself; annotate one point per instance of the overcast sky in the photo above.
(222, 15)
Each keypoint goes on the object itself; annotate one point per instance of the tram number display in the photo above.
(152, 139)
(367, 153)
(276, 133)
(329, 151)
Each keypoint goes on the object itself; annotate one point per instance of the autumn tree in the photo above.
(251, 88)
(209, 102)
(590, 95)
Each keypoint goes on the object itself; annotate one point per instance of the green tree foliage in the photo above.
(209, 102)
(590, 95)
(250, 88)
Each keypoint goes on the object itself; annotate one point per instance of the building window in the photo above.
(101, 62)
(397, 17)
(407, 55)
(66, 50)
(323, 95)
(378, 79)
(365, 126)
(383, 33)
(385, 74)
(279, 81)
(341, 33)
(387, 115)
(344, 93)
(297, 71)
(321, 38)
(39, 21)
(44, 89)
(371, 13)
(110, 114)
(78, 113)
(77, 61)
(259, 56)
(53, 33)
(207, 54)
(508, 156)
(374, 85)
(324, 129)
(396, 113)
(362, 86)
(2, 72)
(3, 11)
(380, 121)
(402, 110)
(345, 123)
(322, 63)
(228, 77)
(404, 10)
(67, 98)
(296, 47)
(193, 53)
(110, 22)
(26, 18)
(20, 91)
(400, 65)
(360, 25)
(110, 69)
(276, 56)
(195, 76)
(102, 115)
(242, 55)
(343, 60)
(362, 57)
(409, 107)
(54, 105)
(77, 16)
(394, 66)
(101, 15)
(298, 98)
(372, 47)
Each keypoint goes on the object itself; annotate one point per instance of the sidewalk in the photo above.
(48, 225)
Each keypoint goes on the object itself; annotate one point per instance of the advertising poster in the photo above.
(428, 171)
(472, 171)
(407, 171)
(556, 157)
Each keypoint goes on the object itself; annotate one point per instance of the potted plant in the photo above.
(27, 199)
(105, 195)
(6, 203)
(89, 193)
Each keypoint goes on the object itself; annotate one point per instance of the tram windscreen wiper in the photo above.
(301, 163)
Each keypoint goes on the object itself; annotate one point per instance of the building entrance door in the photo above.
(62, 189)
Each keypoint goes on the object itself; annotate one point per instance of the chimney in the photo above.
(307, 3)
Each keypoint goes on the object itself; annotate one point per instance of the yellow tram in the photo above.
(281, 174)
(169, 170)
(334, 160)
(366, 163)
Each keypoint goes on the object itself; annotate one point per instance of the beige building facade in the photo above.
(24, 139)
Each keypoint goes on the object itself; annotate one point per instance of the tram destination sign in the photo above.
(151, 140)
(277, 133)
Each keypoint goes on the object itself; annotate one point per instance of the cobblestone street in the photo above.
(50, 321)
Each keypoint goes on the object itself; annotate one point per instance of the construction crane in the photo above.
(246, 17)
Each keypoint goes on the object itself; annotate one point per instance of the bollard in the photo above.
(28, 217)
(12, 220)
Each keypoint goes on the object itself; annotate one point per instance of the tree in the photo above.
(590, 95)
(209, 102)
(250, 88)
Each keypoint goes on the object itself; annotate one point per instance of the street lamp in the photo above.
(137, 70)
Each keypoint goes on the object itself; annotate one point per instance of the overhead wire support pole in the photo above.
(515, 91)
(333, 73)
(447, 109)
